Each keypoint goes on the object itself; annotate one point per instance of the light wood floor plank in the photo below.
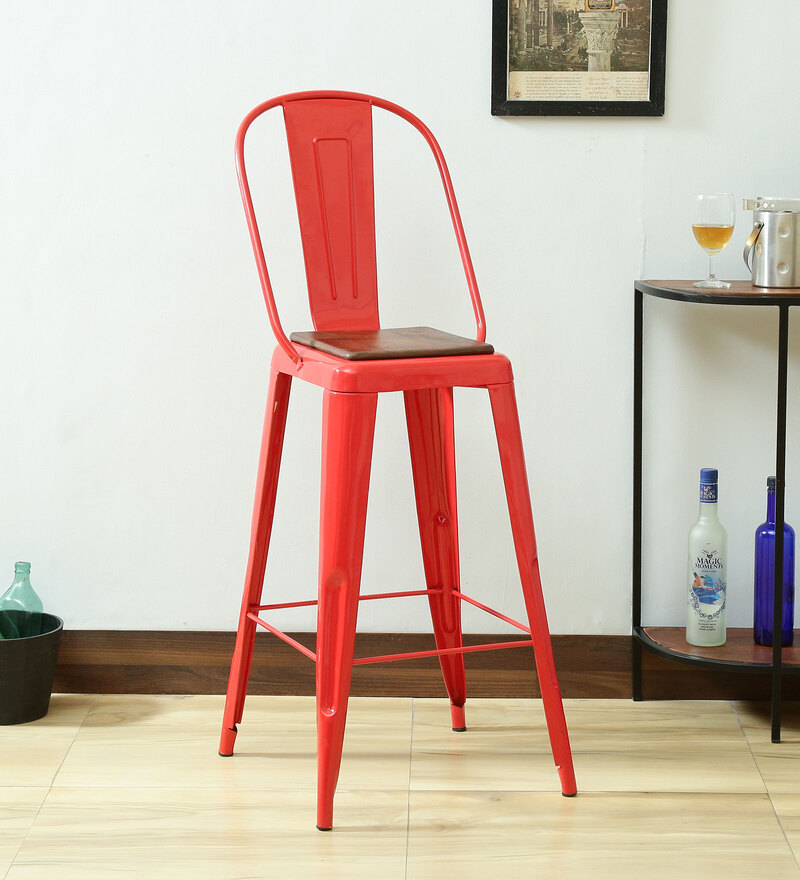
(31, 754)
(18, 809)
(167, 742)
(213, 833)
(787, 808)
(618, 745)
(603, 836)
(778, 763)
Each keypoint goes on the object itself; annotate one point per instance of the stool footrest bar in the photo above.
(489, 610)
(309, 602)
(282, 635)
(464, 649)
(440, 652)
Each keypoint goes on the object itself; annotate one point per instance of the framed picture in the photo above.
(578, 57)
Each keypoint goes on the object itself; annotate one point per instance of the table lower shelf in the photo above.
(740, 651)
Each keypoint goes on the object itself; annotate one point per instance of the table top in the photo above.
(740, 293)
(738, 649)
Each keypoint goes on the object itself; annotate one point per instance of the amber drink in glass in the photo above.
(715, 214)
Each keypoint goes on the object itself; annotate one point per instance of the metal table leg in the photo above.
(780, 493)
(636, 604)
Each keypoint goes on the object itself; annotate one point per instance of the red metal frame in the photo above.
(386, 658)
(330, 146)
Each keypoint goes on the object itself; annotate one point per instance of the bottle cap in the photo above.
(708, 485)
(771, 483)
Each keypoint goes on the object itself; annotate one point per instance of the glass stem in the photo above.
(712, 274)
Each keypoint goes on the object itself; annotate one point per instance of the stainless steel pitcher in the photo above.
(772, 252)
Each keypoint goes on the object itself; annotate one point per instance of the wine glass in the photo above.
(713, 226)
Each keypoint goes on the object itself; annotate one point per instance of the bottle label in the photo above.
(707, 587)
(708, 492)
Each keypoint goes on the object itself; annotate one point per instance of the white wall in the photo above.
(136, 343)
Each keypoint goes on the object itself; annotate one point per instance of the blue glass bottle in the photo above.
(765, 577)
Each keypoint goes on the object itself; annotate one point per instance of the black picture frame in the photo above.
(503, 106)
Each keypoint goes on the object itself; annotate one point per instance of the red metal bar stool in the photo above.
(353, 360)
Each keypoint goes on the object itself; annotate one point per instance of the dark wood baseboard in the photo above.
(148, 662)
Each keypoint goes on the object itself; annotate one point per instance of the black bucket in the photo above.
(27, 669)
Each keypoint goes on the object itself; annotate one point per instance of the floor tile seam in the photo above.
(355, 789)
(755, 744)
(783, 832)
(11, 863)
(144, 848)
(78, 729)
(593, 792)
(778, 818)
(408, 797)
(396, 789)
(752, 753)
(49, 787)
(741, 726)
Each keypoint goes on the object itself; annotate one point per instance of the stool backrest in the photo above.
(330, 150)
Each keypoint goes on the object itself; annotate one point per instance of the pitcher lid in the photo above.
(771, 203)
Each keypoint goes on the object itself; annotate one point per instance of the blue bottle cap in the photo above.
(708, 485)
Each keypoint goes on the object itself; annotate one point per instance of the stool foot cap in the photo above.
(458, 719)
(227, 741)
(320, 828)
(567, 776)
(459, 729)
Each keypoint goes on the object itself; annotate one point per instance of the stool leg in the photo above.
(429, 414)
(509, 441)
(263, 510)
(348, 423)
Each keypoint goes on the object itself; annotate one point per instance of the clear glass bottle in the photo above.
(20, 607)
(764, 587)
(708, 565)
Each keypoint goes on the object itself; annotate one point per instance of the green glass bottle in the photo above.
(20, 607)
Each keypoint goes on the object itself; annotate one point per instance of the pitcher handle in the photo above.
(751, 242)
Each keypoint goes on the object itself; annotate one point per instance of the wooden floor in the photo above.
(131, 786)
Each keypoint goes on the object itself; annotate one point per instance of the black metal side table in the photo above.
(739, 653)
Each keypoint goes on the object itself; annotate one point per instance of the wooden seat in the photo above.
(390, 343)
